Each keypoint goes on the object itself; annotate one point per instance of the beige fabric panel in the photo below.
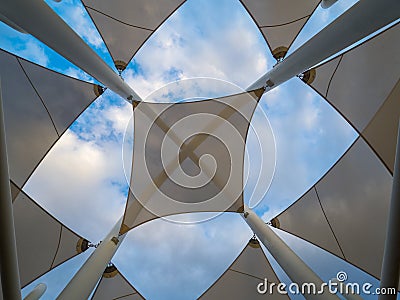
(126, 24)
(39, 105)
(242, 277)
(280, 20)
(203, 175)
(324, 75)
(355, 195)
(381, 132)
(42, 242)
(306, 219)
(364, 78)
(283, 35)
(116, 287)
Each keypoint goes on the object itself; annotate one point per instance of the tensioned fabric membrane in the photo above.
(39, 106)
(348, 205)
(126, 25)
(241, 279)
(113, 285)
(188, 157)
(43, 242)
(280, 21)
(363, 85)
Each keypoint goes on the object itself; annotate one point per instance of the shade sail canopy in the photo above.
(113, 285)
(43, 243)
(363, 85)
(346, 212)
(39, 105)
(241, 279)
(188, 157)
(280, 21)
(126, 25)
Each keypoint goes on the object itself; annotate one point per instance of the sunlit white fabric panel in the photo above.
(125, 25)
(188, 157)
(39, 105)
(362, 84)
(280, 21)
(113, 285)
(42, 242)
(354, 196)
(241, 279)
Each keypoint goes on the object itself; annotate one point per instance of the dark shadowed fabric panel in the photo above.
(42, 241)
(241, 279)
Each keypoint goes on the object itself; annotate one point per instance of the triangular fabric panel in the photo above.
(188, 157)
(125, 25)
(280, 21)
(346, 212)
(113, 285)
(39, 105)
(241, 279)
(42, 242)
(362, 84)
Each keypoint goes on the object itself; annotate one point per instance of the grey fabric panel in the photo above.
(324, 74)
(241, 279)
(148, 14)
(381, 132)
(355, 195)
(29, 129)
(306, 219)
(274, 15)
(122, 40)
(64, 97)
(204, 176)
(116, 287)
(67, 246)
(364, 78)
(126, 24)
(34, 122)
(37, 237)
(38, 240)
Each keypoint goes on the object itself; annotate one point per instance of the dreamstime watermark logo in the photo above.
(333, 286)
(193, 155)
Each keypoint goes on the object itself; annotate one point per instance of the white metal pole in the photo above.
(362, 19)
(37, 18)
(391, 257)
(10, 281)
(85, 280)
(290, 262)
(37, 292)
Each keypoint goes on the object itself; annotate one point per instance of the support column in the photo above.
(362, 19)
(37, 292)
(290, 262)
(10, 282)
(37, 18)
(85, 280)
(391, 257)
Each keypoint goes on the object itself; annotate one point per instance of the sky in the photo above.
(83, 180)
